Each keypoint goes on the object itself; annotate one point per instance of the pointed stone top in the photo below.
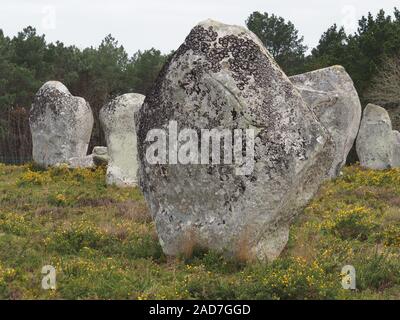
(54, 85)
(223, 29)
(219, 25)
(374, 112)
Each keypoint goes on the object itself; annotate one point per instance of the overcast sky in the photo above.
(164, 24)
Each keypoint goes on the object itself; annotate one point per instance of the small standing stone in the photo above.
(118, 122)
(100, 155)
(375, 139)
(84, 162)
(396, 149)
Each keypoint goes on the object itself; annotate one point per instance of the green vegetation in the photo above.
(282, 40)
(104, 246)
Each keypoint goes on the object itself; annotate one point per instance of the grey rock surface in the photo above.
(100, 156)
(223, 77)
(118, 122)
(61, 125)
(331, 94)
(84, 162)
(396, 149)
(375, 139)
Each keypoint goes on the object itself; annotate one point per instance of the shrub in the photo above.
(78, 236)
(33, 178)
(377, 272)
(352, 223)
(13, 223)
(391, 236)
(58, 200)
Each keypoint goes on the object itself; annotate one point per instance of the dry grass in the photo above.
(243, 251)
(190, 245)
(57, 212)
(392, 216)
(95, 202)
(136, 211)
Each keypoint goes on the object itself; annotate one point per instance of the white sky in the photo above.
(164, 24)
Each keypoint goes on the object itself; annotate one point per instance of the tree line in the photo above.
(370, 55)
(97, 74)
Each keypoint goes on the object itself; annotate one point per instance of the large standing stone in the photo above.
(375, 139)
(118, 122)
(223, 77)
(331, 94)
(61, 125)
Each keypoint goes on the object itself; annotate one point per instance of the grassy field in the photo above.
(103, 244)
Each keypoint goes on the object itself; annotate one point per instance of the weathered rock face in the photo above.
(331, 94)
(375, 139)
(396, 149)
(222, 77)
(61, 125)
(118, 122)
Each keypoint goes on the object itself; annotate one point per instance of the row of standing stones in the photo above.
(222, 77)
(61, 127)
